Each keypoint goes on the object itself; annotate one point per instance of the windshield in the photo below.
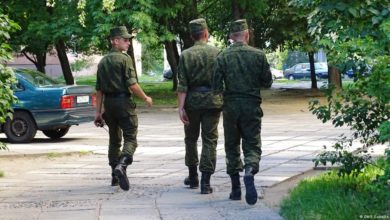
(36, 78)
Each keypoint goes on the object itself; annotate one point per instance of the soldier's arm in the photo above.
(181, 96)
(266, 76)
(132, 82)
(98, 116)
(137, 90)
(182, 89)
(217, 78)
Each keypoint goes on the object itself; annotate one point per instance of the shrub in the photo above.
(7, 77)
(364, 107)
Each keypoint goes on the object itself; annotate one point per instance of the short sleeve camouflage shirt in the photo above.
(240, 71)
(115, 73)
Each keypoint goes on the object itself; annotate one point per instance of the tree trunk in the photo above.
(173, 60)
(66, 71)
(238, 13)
(334, 77)
(130, 52)
(189, 13)
(312, 71)
(39, 60)
(236, 10)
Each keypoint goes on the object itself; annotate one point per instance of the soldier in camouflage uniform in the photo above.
(115, 85)
(199, 106)
(239, 73)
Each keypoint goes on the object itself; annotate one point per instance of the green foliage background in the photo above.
(7, 77)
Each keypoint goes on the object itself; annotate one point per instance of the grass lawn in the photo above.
(161, 92)
(329, 197)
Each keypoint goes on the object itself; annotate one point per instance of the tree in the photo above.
(44, 25)
(7, 77)
(161, 22)
(355, 34)
(273, 24)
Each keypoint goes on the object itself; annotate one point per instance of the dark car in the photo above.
(46, 105)
(167, 74)
(366, 70)
(302, 70)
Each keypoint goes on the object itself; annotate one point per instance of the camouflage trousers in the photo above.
(242, 121)
(121, 119)
(207, 121)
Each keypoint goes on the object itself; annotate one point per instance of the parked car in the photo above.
(47, 105)
(167, 74)
(302, 70)
(276, 74)
(353, 74)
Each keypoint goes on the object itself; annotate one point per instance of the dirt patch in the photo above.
(289, 101)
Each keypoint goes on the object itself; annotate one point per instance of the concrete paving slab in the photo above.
(79, 189)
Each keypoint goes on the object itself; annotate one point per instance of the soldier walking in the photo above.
(115, 85)
(199, 106)
(240, 71)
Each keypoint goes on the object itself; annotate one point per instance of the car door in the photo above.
(298, 72)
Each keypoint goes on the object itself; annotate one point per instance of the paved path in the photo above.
(79, 188)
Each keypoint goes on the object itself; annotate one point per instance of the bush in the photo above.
(7, 77)
(364, 107)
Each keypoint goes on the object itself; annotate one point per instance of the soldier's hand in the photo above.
(99, 122)
(184, 117)
(149, 101)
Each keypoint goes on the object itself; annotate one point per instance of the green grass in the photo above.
(84, 152)
(161, 92)
(285, 81)
(330, 197)
(54, 155)
(1, 174)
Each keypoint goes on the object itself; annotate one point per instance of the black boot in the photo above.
(205, 187)
(249, 180)
(120, 171)
(192, 180)
(236, 187)
(114, 180)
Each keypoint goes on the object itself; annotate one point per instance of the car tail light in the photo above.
(67, 101)
(94, 99)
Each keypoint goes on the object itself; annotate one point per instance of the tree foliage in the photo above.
(355, 33)
(44, 25)
(7, 77)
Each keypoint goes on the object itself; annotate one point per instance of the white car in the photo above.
(276, 74)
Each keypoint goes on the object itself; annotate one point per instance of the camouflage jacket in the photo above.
(195, 70)
(240, 71)
(115, 73)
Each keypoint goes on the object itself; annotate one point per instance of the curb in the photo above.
(48, 154)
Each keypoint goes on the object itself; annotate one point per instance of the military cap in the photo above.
(238, 26)
(197, 25)
(120, 31)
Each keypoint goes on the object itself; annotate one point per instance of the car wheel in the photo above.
(21, 129)
(291, 77)
(56, 133)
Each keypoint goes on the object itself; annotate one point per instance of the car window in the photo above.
(320, 65)
(305, 66)
(17, 87)
(37, 79)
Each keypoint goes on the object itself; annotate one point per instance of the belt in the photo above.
(200, 89)
(117, 95)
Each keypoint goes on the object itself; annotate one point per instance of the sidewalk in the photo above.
(79, 188)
